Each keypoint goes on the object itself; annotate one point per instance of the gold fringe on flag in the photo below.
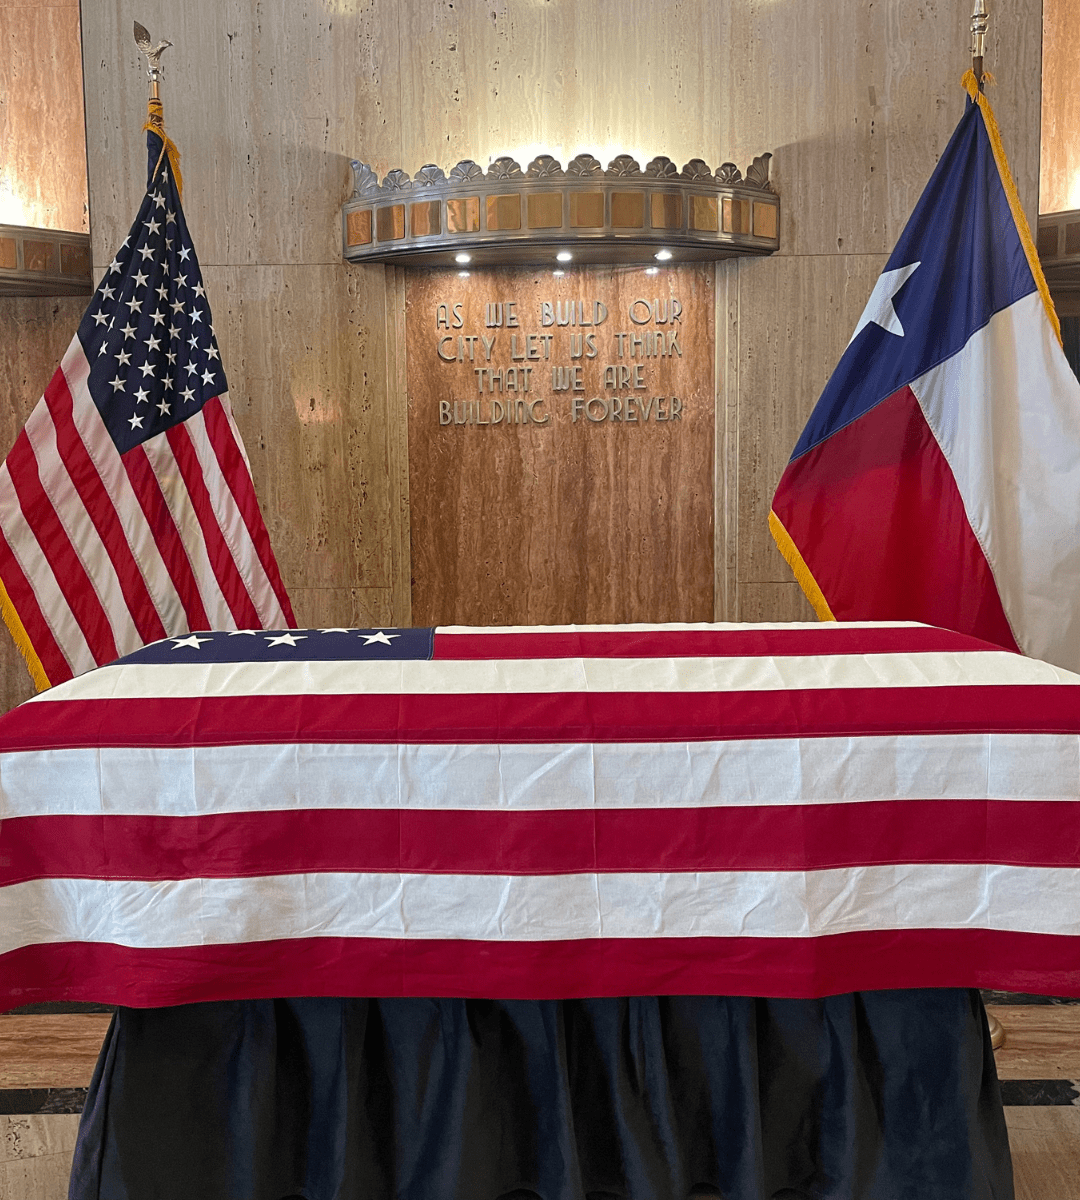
(22, 640)
(799, 569)
(155, 123)
(971, 85)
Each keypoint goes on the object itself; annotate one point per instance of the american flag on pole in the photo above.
(557, 812)
(127, 510)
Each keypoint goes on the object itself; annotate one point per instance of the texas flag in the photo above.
(938, 478)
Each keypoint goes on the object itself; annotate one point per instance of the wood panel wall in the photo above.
(1059, 184)
(42, 140)
(584, 507)
(269, 102)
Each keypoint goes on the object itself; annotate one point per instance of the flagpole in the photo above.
(979, 21)
(155, 120)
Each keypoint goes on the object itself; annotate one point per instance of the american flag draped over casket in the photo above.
(543, 812)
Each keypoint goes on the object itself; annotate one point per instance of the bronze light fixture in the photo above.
(621, 214)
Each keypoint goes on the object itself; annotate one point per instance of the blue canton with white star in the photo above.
(148, 335)
(288, 645)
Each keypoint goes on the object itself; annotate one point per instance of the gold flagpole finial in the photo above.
(155, 120)
(979, 22)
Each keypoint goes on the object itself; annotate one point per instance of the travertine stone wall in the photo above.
(1059, 187)
(269, 102)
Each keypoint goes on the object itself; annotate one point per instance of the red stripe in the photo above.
(556, 717)
(759, 838)
(71, 577)
(238, 477)
(795, 967)
(21, 595)
(879, 520)
(99, 506)
(166, 536)
(222, 562)
(703, 643)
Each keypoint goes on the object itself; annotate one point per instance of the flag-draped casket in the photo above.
(543, 812)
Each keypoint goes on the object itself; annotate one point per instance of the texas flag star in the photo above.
(879, 308)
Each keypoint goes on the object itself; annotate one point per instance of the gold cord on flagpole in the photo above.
(155, 119)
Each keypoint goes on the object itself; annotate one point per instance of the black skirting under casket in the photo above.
(882, 1095)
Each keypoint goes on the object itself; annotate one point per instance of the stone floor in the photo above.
(46, 1060)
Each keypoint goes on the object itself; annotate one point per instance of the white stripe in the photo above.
(546, 675)
(1006, 412)
(230, 521)
(173, 488)
(539, 908)
(41, 577)
(87, 544)
(183, 782)
(102, 450)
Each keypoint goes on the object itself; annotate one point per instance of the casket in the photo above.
(787, 811)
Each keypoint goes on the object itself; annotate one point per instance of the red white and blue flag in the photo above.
(938, 478)
(762, 810)
(127, 509)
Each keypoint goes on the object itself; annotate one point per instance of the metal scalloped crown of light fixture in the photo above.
(619, 215)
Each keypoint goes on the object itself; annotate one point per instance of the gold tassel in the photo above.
(155, 123)
(799, 569)
(22, 641)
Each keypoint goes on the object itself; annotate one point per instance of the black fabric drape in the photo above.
(877, 1095)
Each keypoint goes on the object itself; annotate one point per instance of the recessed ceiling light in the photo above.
(462, 257)
(662, 255)
(564, 256)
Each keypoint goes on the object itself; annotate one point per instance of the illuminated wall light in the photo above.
(463, 274)
(12, 209)
(652, 270)
(558, 274)
(563, 256)
(462, 258)
(662, 255)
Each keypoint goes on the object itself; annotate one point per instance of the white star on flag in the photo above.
(194, 641)
(285, 639)
(384, 638)
(879, 308)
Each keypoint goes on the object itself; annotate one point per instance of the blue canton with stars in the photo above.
(288, 645)
(148, 334)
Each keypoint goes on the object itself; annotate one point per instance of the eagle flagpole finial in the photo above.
(153, 57)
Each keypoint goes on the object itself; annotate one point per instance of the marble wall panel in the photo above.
(796, 315)
(35, 1156)
(1059, 184)
(42, 138)
(347, 608)
(34, 333)
(307, 375)
(268, 103)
